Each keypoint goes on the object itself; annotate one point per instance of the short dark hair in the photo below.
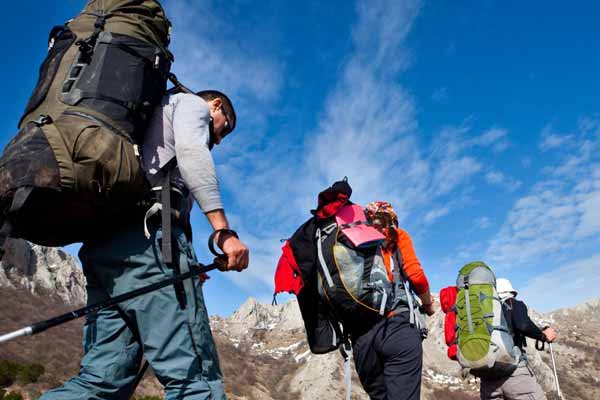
(209, 95)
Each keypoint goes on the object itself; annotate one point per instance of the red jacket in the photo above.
(412, 265)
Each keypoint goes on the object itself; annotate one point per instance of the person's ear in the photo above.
(217, 103)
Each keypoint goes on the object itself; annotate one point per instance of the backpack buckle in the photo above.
(43, 119)
(330, 228)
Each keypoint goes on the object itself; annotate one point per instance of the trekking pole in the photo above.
(540, 345)
(560, 396)
(61, 319)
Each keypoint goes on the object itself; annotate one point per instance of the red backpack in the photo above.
(448, 301)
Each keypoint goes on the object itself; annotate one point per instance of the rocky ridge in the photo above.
(276, 332)
(42, 271)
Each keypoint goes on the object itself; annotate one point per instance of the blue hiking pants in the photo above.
(176, 341)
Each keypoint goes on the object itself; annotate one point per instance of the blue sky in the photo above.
(478, 121)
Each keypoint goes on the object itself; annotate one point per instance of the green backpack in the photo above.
(74, 162)
(485, 343)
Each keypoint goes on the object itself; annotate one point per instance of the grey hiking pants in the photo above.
(177, 342)
(520, 385)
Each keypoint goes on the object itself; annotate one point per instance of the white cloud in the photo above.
(552, 140)
(566, 286)
(436, 214)
(451, 166)
(494, 138)
(589, 208)
(556, 215)
(499, 179)
(590, 125)
(453, 159)
(494, 177)
(368, 128)
(209, 55)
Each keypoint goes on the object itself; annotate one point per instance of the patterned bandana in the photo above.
(382, 210)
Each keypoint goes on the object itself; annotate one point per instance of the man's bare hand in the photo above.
(550, 334)
(238, 255)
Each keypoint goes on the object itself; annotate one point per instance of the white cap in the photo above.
(505, 288)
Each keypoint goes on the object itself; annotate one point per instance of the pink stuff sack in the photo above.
(353, 224)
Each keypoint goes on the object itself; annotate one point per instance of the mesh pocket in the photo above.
(28, 160)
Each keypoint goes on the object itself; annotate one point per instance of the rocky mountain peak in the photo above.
(589, 309)
(42, 271)
(257, 316)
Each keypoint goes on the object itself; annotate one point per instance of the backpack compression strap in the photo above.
(320, 238)
(346, 351)
(164, 206)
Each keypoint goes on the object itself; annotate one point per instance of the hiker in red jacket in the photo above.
(356, 277)
(388, 355)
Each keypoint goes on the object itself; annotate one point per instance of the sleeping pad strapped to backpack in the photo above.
(448, 305)
(74, 162)
(485, 343)
(334, 264)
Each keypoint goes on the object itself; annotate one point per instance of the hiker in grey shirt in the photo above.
(168, 327)
(180, 128)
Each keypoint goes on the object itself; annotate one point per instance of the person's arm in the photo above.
(523, 324)
(191, 121)
(414, 271)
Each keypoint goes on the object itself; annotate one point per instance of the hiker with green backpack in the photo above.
(106, 156)
(521, 384)
(485, 329)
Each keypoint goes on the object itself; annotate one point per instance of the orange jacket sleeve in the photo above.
(412, 265)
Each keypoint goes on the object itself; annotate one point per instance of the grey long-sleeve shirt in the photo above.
(180, 128)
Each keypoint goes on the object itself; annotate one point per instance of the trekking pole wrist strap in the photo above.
(539, 345)
(213, 236)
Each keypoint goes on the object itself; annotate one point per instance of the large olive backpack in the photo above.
(485, 342)
(74, 162)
